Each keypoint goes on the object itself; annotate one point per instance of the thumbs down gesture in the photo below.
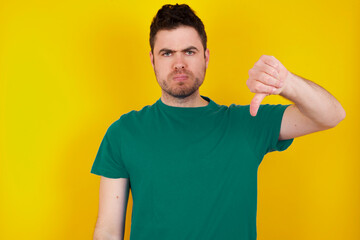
(267, 76)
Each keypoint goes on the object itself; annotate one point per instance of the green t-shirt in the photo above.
(192, 171)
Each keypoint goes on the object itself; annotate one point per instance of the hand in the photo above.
(268, 76)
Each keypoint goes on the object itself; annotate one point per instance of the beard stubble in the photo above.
(180, 89)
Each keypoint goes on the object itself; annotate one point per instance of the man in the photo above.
(192, 164)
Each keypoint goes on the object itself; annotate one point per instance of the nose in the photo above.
(179, 66)
(179, 63)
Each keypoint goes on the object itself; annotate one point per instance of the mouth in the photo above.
(180, 77)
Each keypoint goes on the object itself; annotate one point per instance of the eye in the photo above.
(190, 53)
(166, 54)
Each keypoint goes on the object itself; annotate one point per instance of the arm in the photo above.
(113, 198)
(314, 108)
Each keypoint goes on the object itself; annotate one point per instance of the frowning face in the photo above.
(179, 61)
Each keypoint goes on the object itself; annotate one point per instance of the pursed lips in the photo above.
(180, 77)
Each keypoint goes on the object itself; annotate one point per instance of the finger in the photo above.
(273, 72)
(255, 103)
(259, 87)
(271, 61)
(269, 80)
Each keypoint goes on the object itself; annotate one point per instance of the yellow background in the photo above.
(68, 69)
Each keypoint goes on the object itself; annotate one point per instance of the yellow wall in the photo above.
(68, 69)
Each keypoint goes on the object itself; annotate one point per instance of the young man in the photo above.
(192, 164)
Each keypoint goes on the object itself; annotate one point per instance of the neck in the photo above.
(194, 100)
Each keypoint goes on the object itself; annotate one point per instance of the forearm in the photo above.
(313, 101)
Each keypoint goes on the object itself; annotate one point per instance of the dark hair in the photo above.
(172, 16)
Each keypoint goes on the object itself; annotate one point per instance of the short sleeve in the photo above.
(108, 161)
(267, 129)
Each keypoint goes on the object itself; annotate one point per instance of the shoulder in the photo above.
(132, 117)
(135, 115)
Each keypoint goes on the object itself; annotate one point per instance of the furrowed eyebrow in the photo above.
(185, 50)
(190, 48)
(165, 50)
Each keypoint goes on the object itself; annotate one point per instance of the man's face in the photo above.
(179, 61)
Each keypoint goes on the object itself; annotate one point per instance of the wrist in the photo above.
(289, 90)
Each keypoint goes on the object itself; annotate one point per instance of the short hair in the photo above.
(172, 16)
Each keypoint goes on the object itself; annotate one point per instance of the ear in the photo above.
(207, 56)
(152, 59)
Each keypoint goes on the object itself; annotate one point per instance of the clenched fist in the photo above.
(268, 76)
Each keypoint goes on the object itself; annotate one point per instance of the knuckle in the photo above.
(269, 78)
(257, 87)
(273, 72)
(269, 60)
(262, 58)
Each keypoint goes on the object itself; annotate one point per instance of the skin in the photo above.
(180, 62)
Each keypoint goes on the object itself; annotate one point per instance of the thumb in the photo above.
(255, 103)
